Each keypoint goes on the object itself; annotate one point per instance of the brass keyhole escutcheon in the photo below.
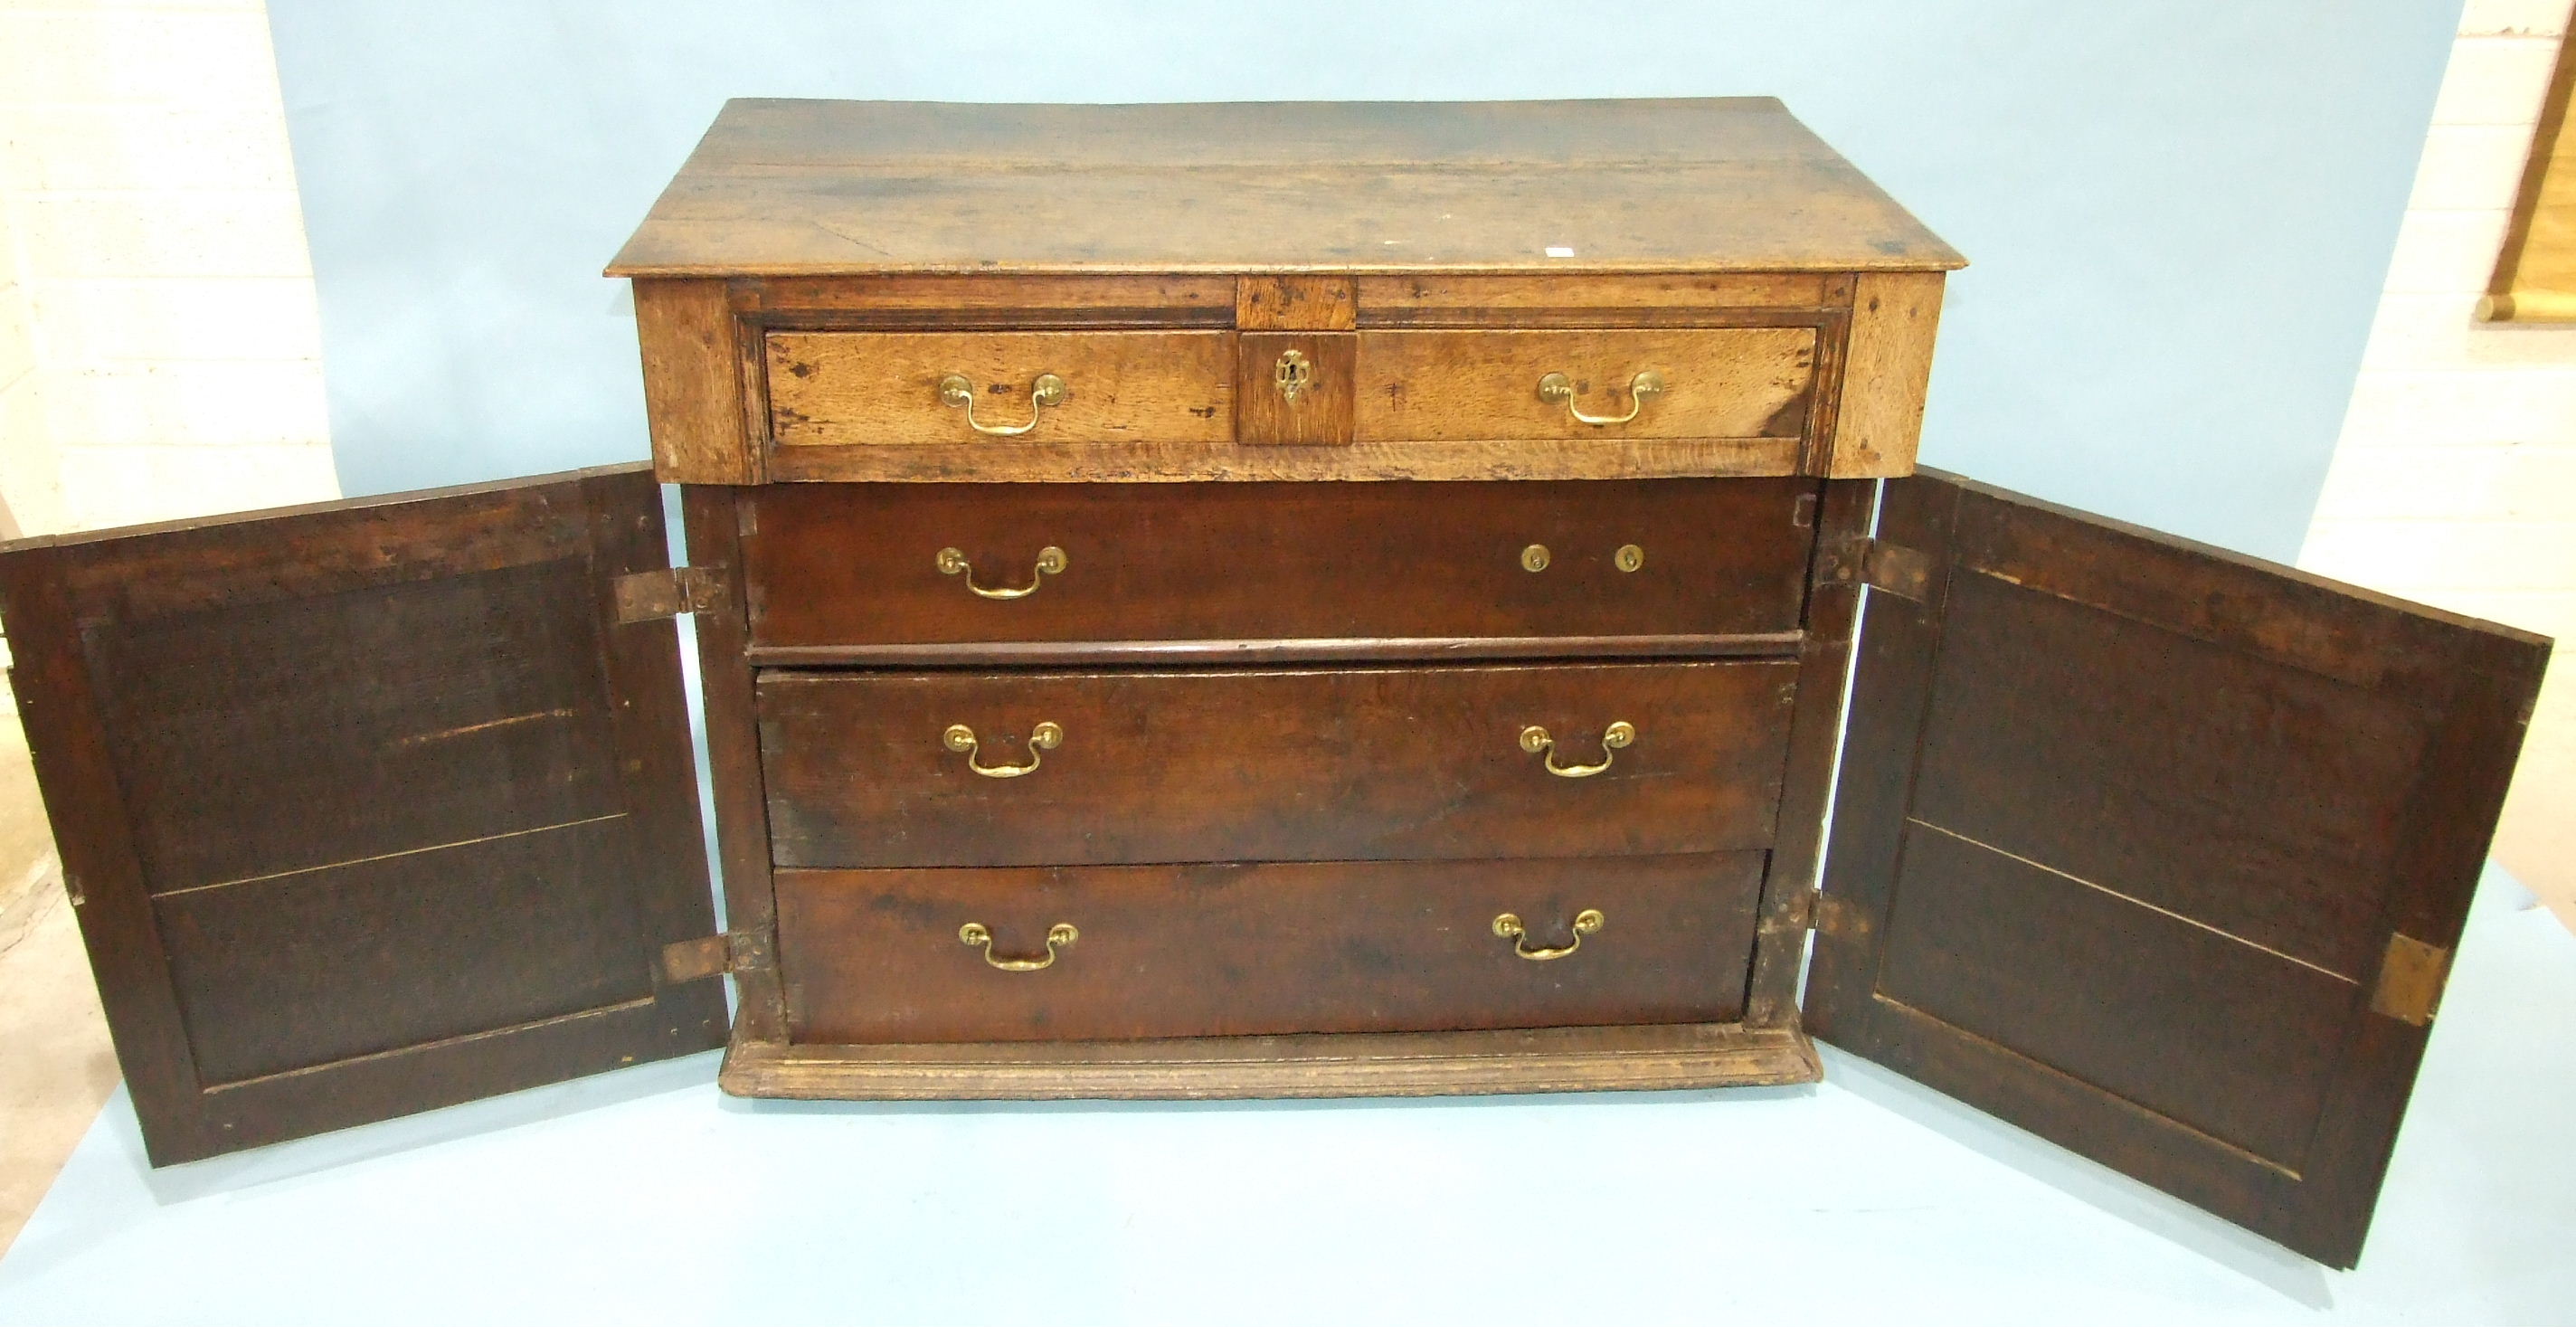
(1629, 557)
(1534, 558)
(1293, 374)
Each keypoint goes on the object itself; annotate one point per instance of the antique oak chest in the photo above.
(1273, 600)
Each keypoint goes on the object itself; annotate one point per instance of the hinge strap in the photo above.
(712, 955)
(647, 596)
(1885, 567)
(2411, 977)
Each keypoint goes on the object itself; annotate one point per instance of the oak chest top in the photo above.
(804, 188)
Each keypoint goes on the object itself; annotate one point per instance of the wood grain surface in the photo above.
(1251, 949)
(371, 806)
(842, 565)
(1458, 385)
(2124, 829)
(814, 187)
(1289, 765)
(882, 388)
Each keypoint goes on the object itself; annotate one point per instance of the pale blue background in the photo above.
(2179, 213)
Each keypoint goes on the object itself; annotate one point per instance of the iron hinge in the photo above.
(1889, 568)
(2411, 977)
(713, 955)
(648, 596)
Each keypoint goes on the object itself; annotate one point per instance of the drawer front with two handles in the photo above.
(841, 389)
(1233, 949)
(868, 565)
(1351, 764)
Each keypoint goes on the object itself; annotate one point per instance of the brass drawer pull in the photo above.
(958, 390)
(1556, 387)
(1051, 562)
(1059, 936)
(1535, 741)
(961, 738)
(1586, 922)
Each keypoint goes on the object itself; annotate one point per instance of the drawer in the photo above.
(894, 388)
(842, 565)
(1243, 949)
(1302, 765)
(1718, 382)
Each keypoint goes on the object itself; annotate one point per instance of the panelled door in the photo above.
(2158, 851)
(371, 806)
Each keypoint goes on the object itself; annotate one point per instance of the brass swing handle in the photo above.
(960, 738)
(1059, 936)
(1047, 389)
(1051, 562)
(1535, 741)
(1586, 922)
(1557, 388)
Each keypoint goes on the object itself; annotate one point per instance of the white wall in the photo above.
(160, 350)
(2454, 479)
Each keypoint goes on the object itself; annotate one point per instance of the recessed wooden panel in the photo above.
(883, 388)
(1314, 765)
(317, 966)
(2173, 770)
(1249, 949)
(370, 806)
(2192, 1023)
(852, 571)
(2124, 828)
(1728, 382)
(481, 696)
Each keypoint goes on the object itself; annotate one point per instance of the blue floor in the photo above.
(646, 1197)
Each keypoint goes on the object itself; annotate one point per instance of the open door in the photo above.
(2158, 851)
(371, 806)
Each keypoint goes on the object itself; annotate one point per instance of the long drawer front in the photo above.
(1076, 768)
(1219, 950)
(863, 566)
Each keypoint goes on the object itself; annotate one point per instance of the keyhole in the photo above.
(1292, 374)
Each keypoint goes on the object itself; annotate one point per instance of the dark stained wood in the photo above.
(841, 565)
(782, 188)
(1271, 766)
(1327, 649)
(2120, 866)
(713, 519)
(1252, 949)
(1330, 1064)
(1321, 412)
(1840, 517)
(355, 836)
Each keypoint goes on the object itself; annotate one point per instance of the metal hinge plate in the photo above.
(2410, 980)
(648, 596)
(713, 955)
(1889, 568)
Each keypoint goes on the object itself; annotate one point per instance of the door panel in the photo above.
(2126, 826)
(368, 807)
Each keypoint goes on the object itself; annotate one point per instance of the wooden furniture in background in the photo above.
(1291, 600)
(2535, 272)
